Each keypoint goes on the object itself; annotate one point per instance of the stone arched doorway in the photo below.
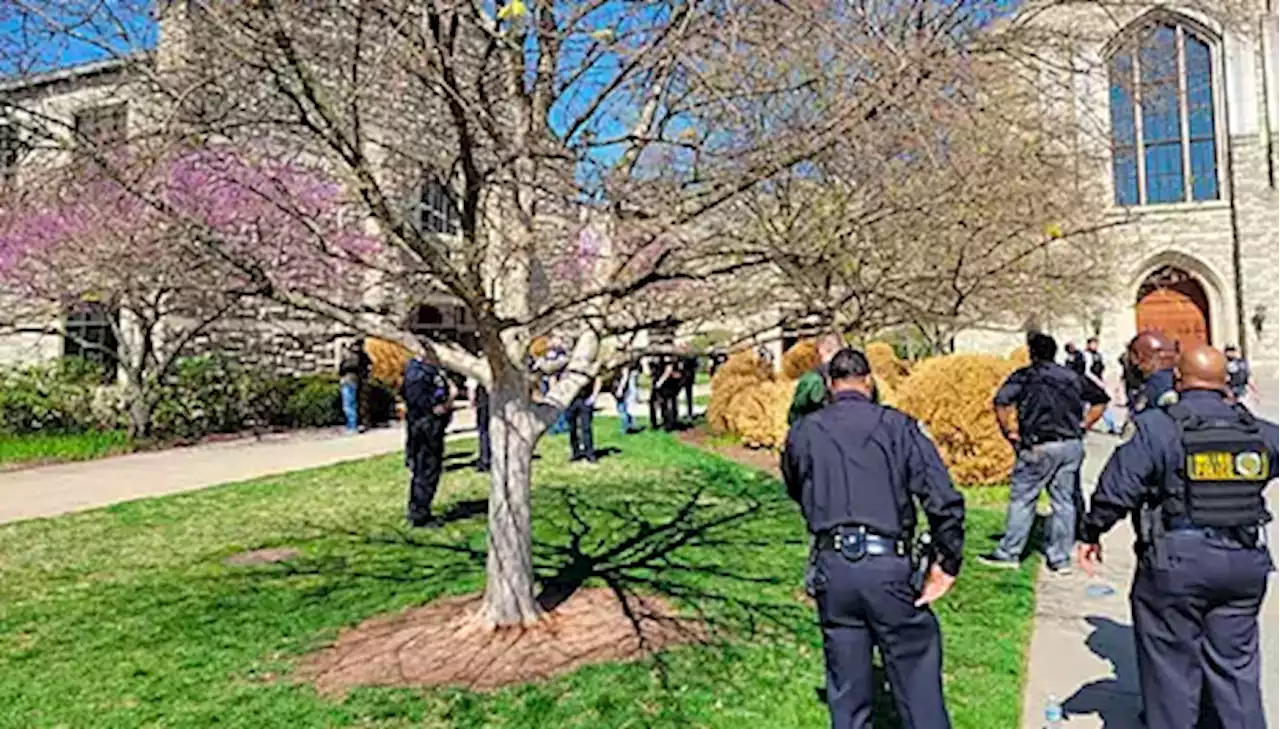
(1174, 302)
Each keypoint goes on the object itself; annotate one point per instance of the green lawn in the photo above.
(127, 617)
(23, 449)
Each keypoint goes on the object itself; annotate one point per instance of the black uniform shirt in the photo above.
(1150, 460)
(1155, 389)
(1051, 400)
(856, 462)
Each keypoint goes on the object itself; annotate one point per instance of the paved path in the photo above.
(1082, 646)
(53, 490)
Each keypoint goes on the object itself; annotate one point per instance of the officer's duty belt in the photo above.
(876, 545)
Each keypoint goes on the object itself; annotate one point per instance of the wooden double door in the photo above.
(1173, 302)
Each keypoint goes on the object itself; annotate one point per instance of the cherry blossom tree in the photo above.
(180, 244)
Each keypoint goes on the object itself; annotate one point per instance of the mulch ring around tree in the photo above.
(759, 458)
(444, 643)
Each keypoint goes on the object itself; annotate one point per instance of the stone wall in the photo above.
(1197, 237)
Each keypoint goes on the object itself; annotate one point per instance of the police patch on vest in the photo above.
(1227, 466)
(1167, 398)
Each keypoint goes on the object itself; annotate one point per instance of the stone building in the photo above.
(44, 120)
(1182, 100)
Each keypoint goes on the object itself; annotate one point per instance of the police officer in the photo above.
(1194, 473)
(854, 467)
(1149, 371)
(1049, 401)
(428, 399)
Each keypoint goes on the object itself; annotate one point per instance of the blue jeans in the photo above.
(562, 423)
(626, 422)
(1056, 467)
(351, 404)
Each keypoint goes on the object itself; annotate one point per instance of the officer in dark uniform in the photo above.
(855, 467)
(1194, 473)
(428, 409)
(1149, 370)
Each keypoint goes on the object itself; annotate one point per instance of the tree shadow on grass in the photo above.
(730, 563)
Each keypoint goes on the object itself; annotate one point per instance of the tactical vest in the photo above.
(1225, 467)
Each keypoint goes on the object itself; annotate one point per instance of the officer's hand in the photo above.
(937, 584)
(1089, 556)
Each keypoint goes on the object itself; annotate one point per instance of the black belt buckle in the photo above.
(852, 543)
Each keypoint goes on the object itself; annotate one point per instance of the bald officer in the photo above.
(1151, 355)
(1194, 472)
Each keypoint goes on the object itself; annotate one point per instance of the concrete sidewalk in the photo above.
(1082, 645)
(59, 489)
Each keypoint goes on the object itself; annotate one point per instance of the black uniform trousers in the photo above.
(424, 455)
(866, 604)
(1195, 607)
(669, 407)
(581, 445)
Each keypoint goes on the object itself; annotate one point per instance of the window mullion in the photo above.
(1184, 116)
(1139, 149)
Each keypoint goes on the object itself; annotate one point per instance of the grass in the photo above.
(127, 617)
(41, 448)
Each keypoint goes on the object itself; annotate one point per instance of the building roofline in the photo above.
(76, 72)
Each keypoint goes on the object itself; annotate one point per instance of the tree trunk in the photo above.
(140, 409)
(514, 428)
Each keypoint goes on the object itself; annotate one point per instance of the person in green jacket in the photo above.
(811, 391)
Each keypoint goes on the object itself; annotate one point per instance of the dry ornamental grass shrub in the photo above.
(738, 373)
(952, 396)
(886, 365)
(759, 414)
(802, 357)
(1020, 356)
(389, 360)
(888, 393)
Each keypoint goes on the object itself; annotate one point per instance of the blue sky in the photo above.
(29, 43)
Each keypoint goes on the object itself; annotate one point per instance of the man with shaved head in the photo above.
(1194, 474)
(1151, 356)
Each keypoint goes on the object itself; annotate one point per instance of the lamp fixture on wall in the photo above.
(1095, 323)
(1259, 318)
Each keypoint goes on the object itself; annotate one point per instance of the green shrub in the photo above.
(315, 403)
(204, 395)
(53, 397)
(268, 406)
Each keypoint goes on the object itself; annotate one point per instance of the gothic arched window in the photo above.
(1163, 133)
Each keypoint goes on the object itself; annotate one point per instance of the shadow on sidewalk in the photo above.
(1115, 700)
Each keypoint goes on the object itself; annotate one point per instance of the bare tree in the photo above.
(479, 142)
